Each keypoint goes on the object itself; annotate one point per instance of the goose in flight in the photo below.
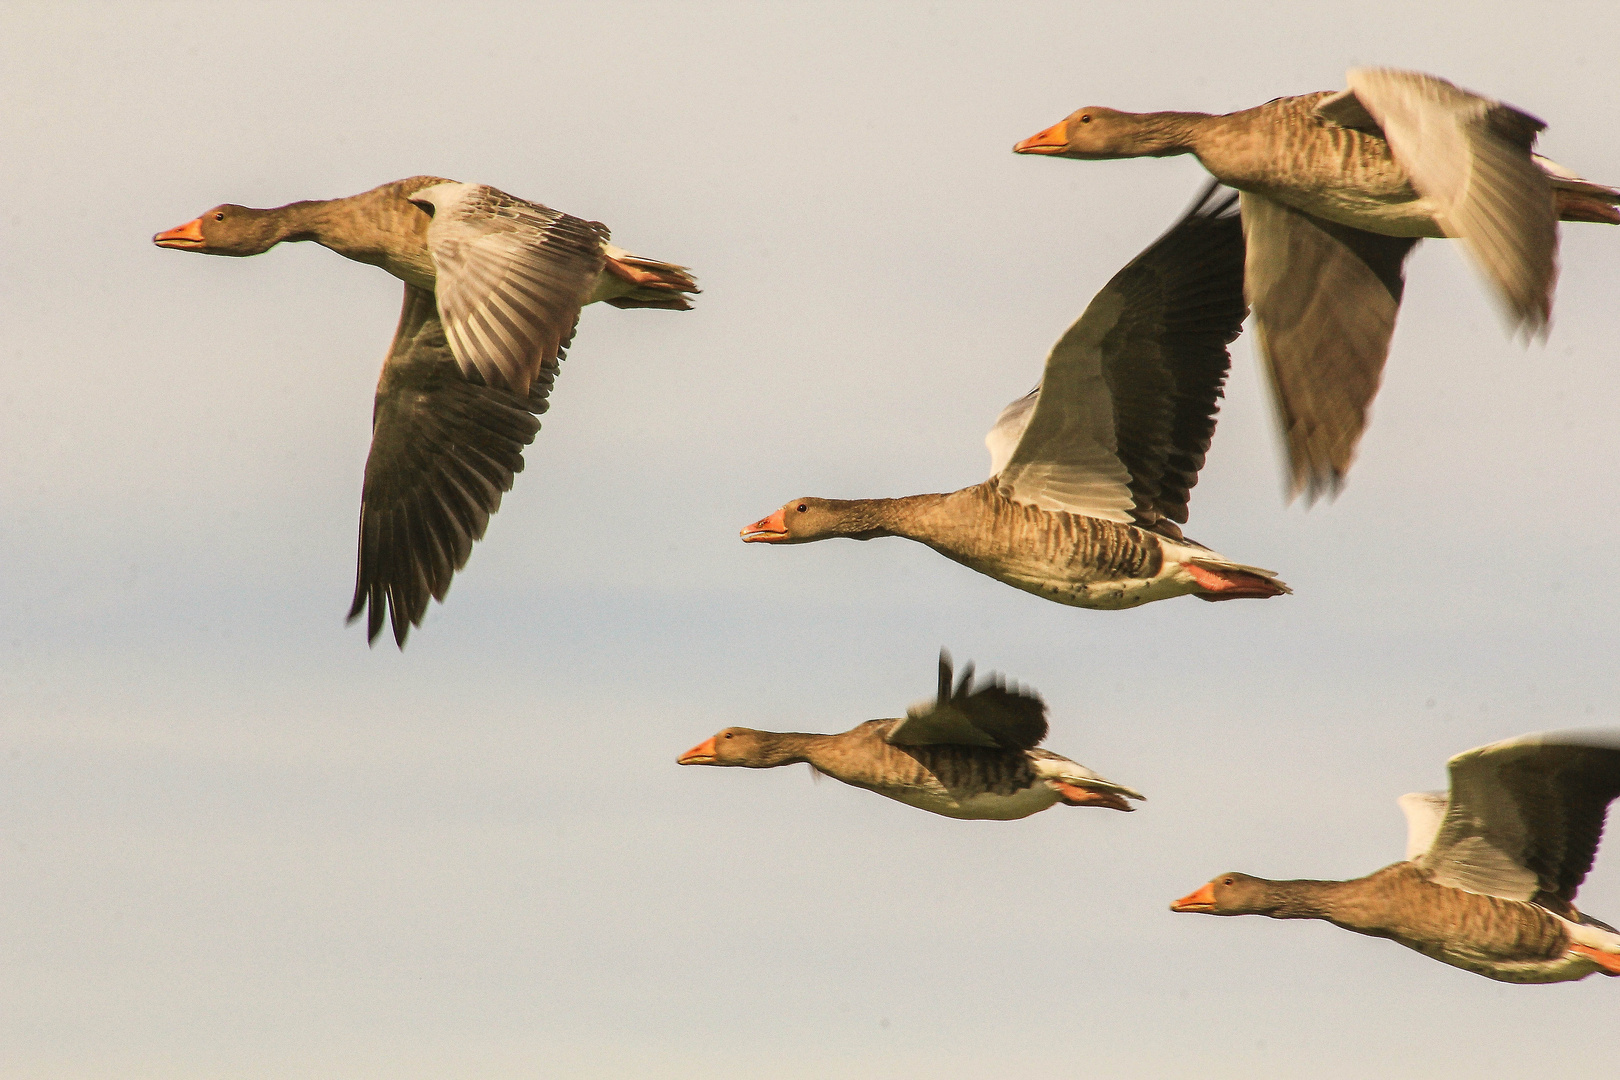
(1090, 472)
(972, 752)
(493, 289)
(1489, 880)
(1337, 189)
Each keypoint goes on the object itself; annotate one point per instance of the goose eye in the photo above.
(1085, 118)
(801, 508)
(728, 734)
(1226, 881)
(219, 217)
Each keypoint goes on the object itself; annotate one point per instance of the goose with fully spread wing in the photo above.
(1090, 472)
(1491, 870)
(1337, 189)
(493, 290)
(972, 752)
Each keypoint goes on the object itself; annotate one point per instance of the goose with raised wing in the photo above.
(1491, 869)
(971, 752)
(1091, 471)
(493, 290)
(1337, 188)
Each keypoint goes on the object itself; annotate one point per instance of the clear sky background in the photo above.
(234, 842)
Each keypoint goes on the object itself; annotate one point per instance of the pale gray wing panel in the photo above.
(511, 279)
(994, 714)
(443, 451)
(1424, 811)
(1471, 155)
(1324, 298)
(1008, 429)
(1346, 110)
(1065, 458)
(1525, 815)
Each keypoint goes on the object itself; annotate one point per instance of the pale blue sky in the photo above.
(234, 842)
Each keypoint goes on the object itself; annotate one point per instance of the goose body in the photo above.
(493, 289)
(1337, 188)
(1090, 472)
(1491, 870)
(971, 753)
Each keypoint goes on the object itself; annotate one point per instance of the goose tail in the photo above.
(636, 282)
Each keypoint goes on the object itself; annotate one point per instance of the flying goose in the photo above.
(1490, 875)
(1090, 472)
(493, 289)
(969, 753)
(1337, 188)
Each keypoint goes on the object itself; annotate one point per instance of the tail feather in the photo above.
(1223, 580)
(650, 282)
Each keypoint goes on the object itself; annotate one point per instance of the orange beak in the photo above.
(701, 754)
(184, 236)
(1202, 900)
(767, 529)
(1054, 140)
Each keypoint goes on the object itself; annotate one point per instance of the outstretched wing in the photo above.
(1471, 154)
(443, 451)
(511, 278)
(993, 714)
(1525, 816)
(1325, 297)
(1125, 411)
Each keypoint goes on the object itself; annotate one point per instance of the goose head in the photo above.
(227, 229)
(1094, 133)
(736, 746)
(1229, 894)
(804, 520)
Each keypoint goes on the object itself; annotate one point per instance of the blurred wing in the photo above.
(1325, 297)
(1009, 428)
(512, 276)
(1525, 816)
(443, 450)
(993, 715)
(1471, 155)
(1424, 811)
(1125, 410)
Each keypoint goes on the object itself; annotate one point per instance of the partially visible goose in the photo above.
(493, 288)
(969, 753)
(1090, 472)
(1491, 872)
(1337, 187)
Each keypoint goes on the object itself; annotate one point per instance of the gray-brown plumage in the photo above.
(1091, 472)
(493, 290)
(970, 753)
(1337, 187)
(1491, 870)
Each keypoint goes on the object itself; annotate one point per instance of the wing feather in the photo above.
(443, 452)
(1525, 816)
(1471, 154)
(1124, 414)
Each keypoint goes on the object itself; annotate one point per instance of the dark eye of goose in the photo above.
(1085, 118)
(801, 508)
(219, 217)
(1226, 881)
(728, 734)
